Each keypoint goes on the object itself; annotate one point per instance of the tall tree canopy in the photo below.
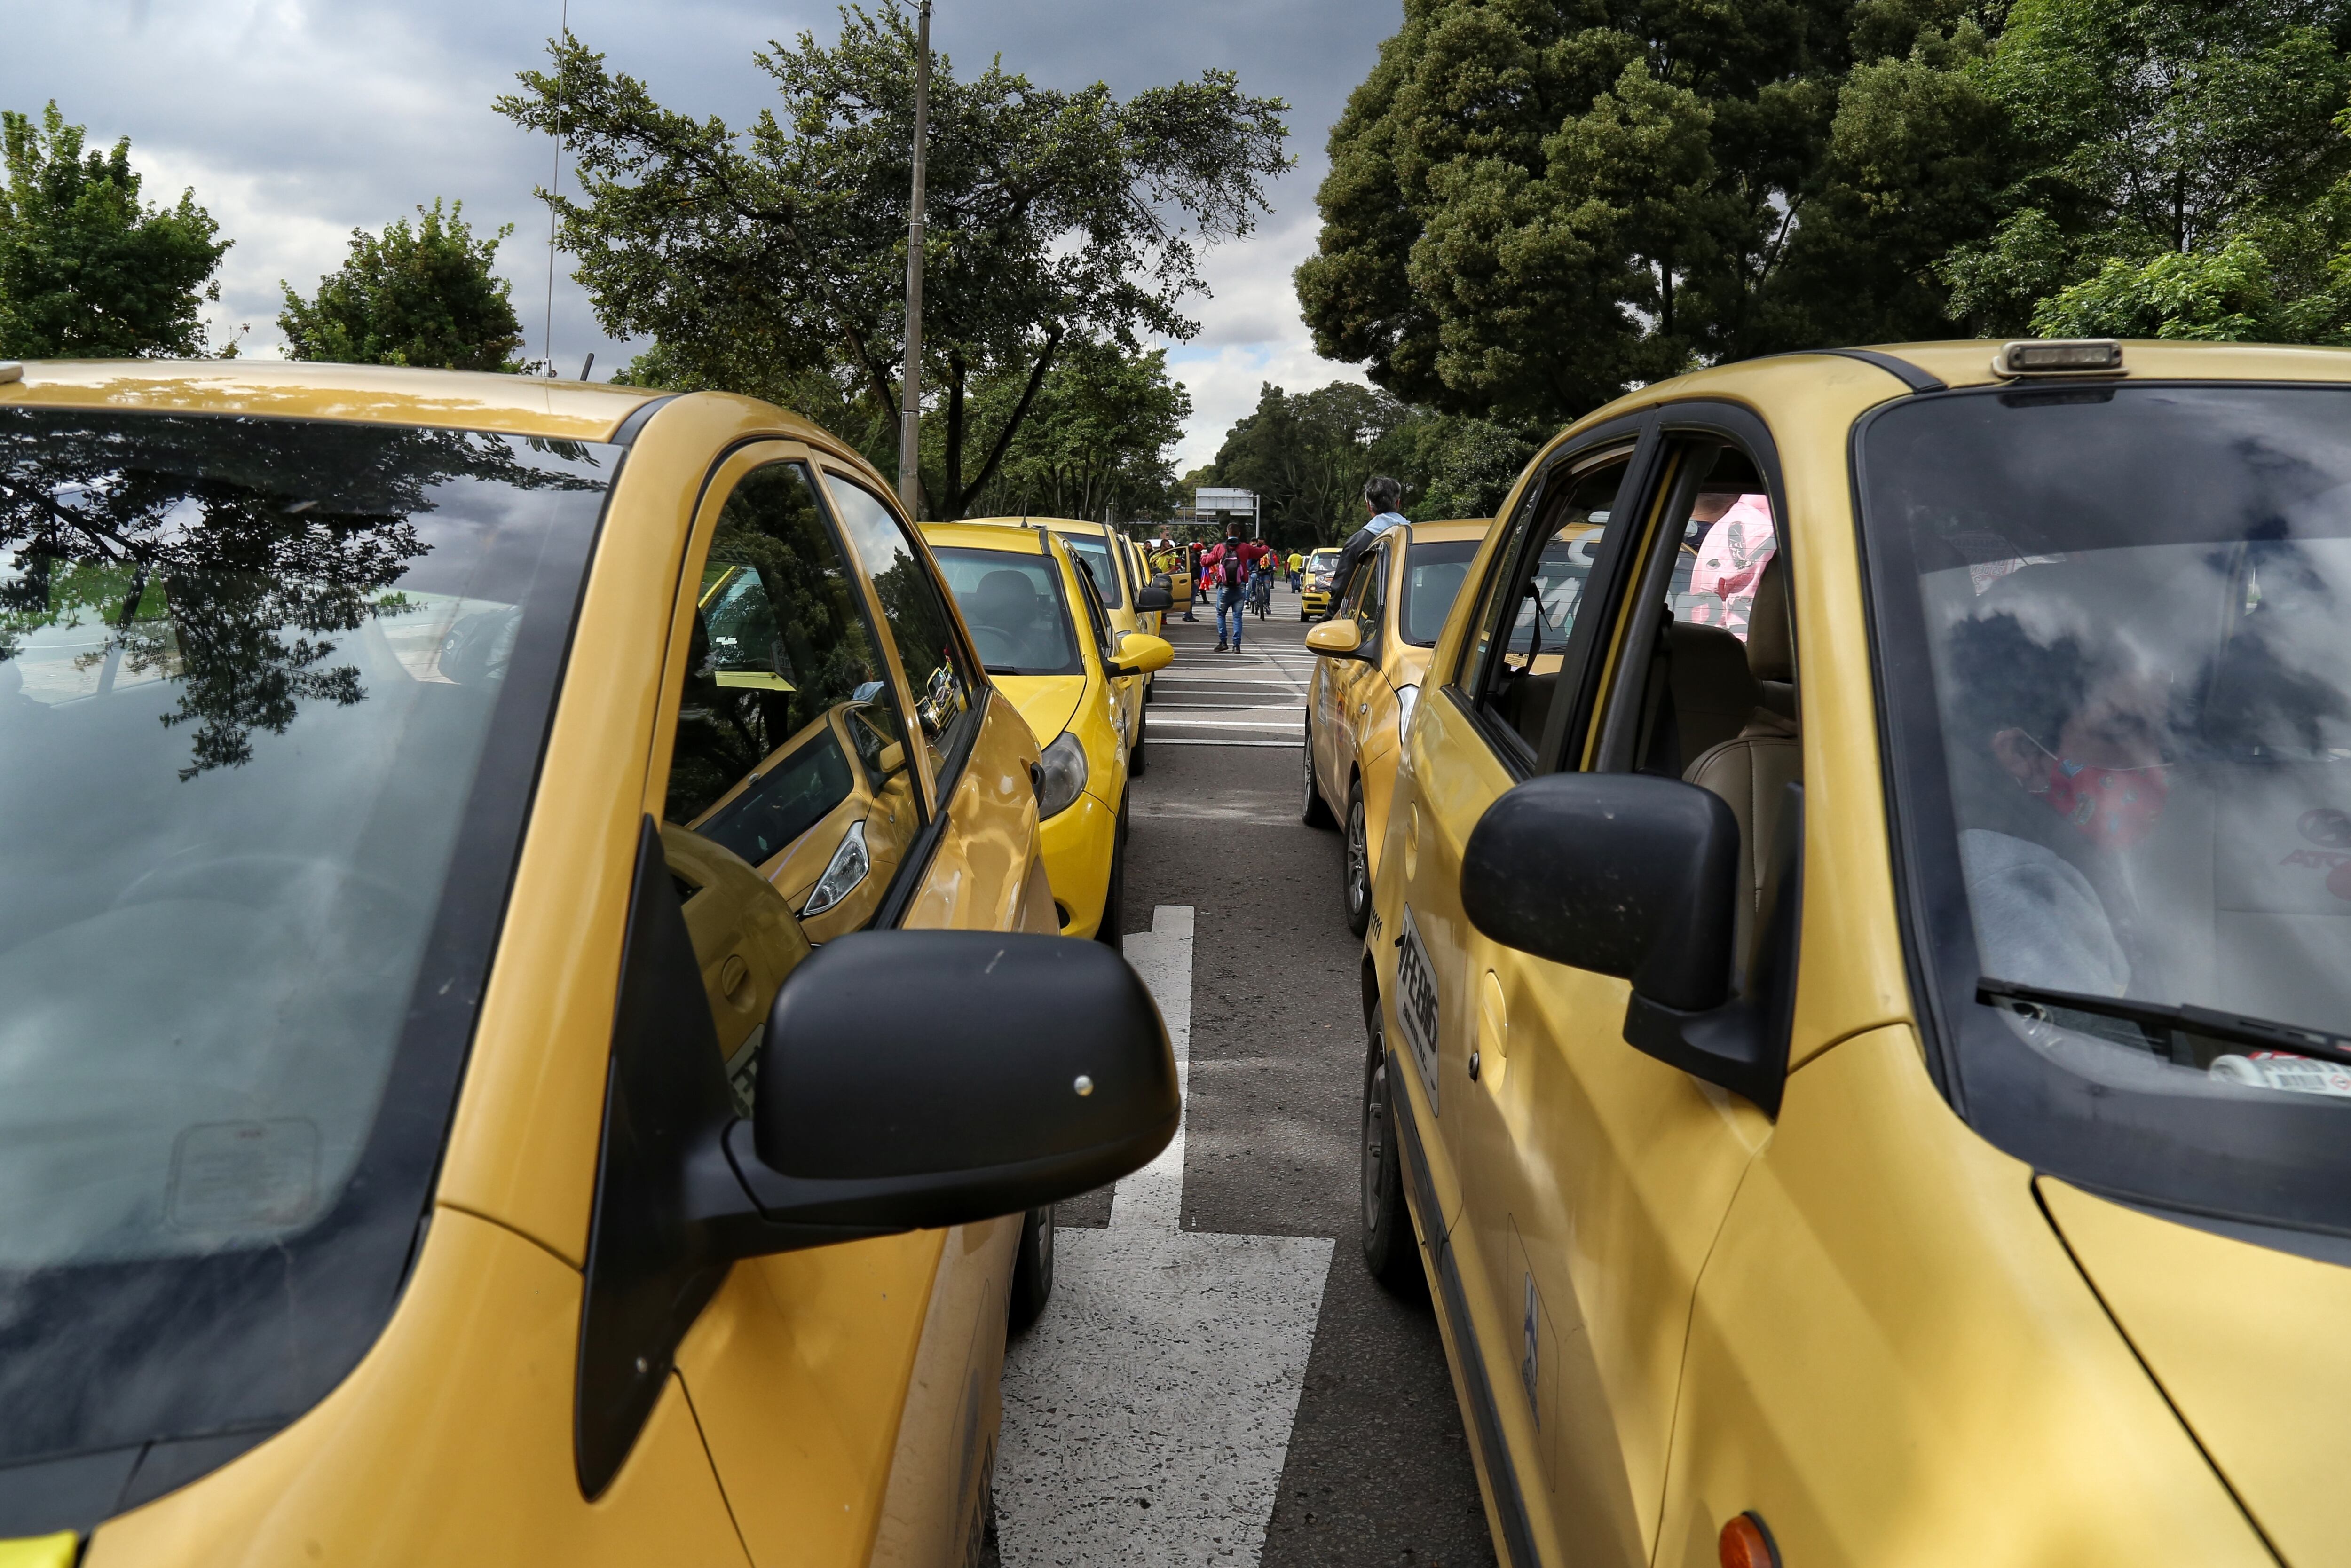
(423, 296)
(1052, 216)
(1534, 204)
(2180, 151)
(86, 270)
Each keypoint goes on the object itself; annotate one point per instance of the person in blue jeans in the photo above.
(1231, 562)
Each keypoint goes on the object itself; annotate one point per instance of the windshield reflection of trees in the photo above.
(229, 553)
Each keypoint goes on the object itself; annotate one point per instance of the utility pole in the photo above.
(910, 442)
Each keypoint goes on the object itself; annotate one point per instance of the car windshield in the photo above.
(2115, 633)
(1321, 564)
(1014, 605)
(1433, 574)
(272, 694)
(1093, 552)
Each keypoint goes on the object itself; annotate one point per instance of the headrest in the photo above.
(1770, 645)
(1004, 598)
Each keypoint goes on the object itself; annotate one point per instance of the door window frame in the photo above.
(728, 470)
(940, 782)
(1634, 436)
(1605, 731)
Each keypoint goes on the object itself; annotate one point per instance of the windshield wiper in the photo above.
(1001, 669)
(2161, 1021)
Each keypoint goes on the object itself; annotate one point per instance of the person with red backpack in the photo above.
(1232, 562)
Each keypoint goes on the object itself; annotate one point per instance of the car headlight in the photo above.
(1061, 776)
(847, 868)
(1407, 698)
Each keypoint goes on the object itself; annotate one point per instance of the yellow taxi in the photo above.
(529, 1022)
(1173, 564)
(1132, 606)
(1374, 655)
(1046, 640)
(1139, 582)
(1859, 993)
(1314, 597)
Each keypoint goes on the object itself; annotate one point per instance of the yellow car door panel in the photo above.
(977, 876)
(800, 1364)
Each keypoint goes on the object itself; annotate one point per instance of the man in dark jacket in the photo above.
(1381, 496)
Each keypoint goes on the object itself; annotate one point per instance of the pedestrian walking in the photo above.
(1231, 562)
(1296, 571)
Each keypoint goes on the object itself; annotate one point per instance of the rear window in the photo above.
(1432, 575)
(1014, 605)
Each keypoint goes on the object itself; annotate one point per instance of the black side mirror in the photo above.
(1637, 876)
(1154, 595)
(907, 1079)
(917, 1079)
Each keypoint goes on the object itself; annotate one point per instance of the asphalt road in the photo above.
(1218, 1379)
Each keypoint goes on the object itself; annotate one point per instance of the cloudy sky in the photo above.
(296, 120)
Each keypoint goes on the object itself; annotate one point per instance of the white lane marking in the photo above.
(1147, 1413)
(1219, 740)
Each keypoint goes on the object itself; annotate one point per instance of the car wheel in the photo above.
(1391, 1251)
(1358, 886)
(1113, 910)
(1135, 760)
(1032, 1267)
(1311, 809)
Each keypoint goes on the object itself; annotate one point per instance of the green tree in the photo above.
(1307, 455)
(87, 271)
(1095, 441)
(423, 296)
(2148, 129)
(1535, 203)
(1052, 217)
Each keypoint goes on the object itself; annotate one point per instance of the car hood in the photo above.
(2245, 1340)
(1045, 701)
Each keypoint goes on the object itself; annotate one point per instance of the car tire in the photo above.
(1391, 1249)
(1135, 760)
(1113, 909)
(1311, 811)
(1355, 872)
(1032, 1267)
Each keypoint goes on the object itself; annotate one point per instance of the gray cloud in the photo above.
(297, 120)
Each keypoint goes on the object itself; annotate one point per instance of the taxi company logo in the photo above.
(2326, 825)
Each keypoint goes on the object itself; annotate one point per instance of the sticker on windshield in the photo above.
(1416, 1004)
(244, 1176)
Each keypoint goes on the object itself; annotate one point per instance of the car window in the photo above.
(1097, 618)
(1018, 616)
(915, 616)
(272, 698)
(1367, 596)
(1533, 595)
(1434, 571)
(2115, 651)
(1093, 552)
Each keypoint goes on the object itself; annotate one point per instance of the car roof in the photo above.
(1967, 363)
(374, 394)
(994, 534)
(1059, 525)
(1453, 529)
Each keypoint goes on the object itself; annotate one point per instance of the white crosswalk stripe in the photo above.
(1256, 696)
(1147, 1414)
